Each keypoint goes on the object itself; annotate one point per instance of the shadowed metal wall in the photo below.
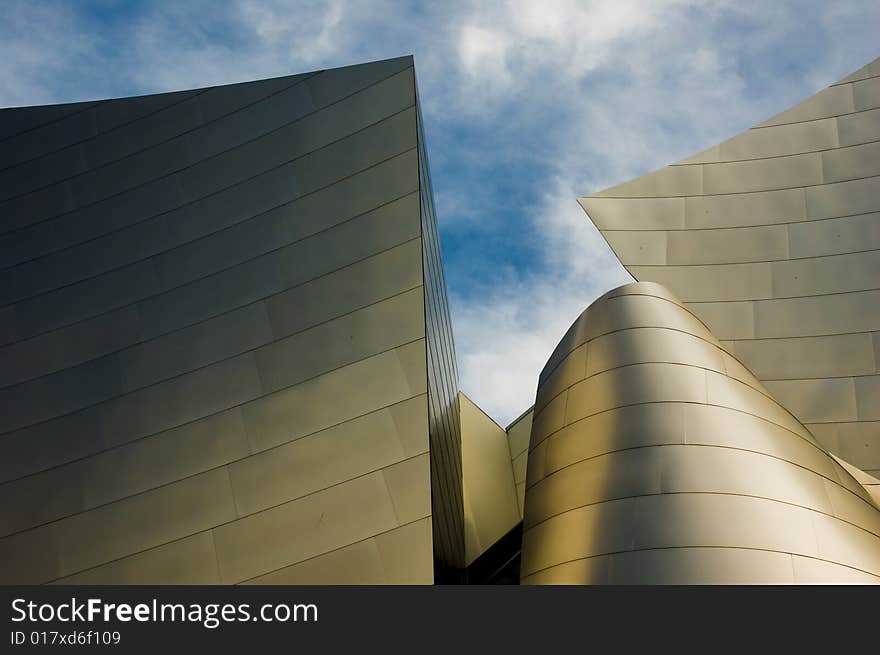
(447, 493)
(213, 348)
(773, 239)
(656, 457)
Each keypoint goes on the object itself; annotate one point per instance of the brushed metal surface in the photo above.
(656, 457)
(225, 352)
(773, 239)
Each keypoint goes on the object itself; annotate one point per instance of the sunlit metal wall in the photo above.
(656, 457)
(773, 239)
(213, 362)
(518, 434)
(490, 504)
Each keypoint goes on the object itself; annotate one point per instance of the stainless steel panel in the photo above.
(358, 285)
(489, 490)
(852, 162)
(833, 101)
(150, 131)
(186, 398)
(733, 245)
(868, 397)
(199, 345)
(673, 464)
(745, 209)
(866, 94)
(342, 341)
(188, 561)
(315, 404)
(729, 281)
(49, 444)
(570, 370)
(762, 174)
(843, 198)
(787, 139)
(325, 458)
(720, 566)
(69, 346)
(85, 299)
(834, 236)
(341, 515)
(144, 521)
(201, 291)
(664, 182)
(808, 357)
(636, 213)
(60, 393)
(639, 246)
(813, 316)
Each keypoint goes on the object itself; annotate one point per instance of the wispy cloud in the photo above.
(528, 105)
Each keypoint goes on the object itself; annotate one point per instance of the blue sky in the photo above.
(527, 105)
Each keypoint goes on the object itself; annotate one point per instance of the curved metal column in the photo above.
(656, 457)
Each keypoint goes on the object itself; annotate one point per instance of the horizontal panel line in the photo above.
(194, 94)
(817, 336)
(821, 118)
(805, 221)
(225, 312)
(652, 361)
(769, 300)
(700, 493)
(730, 193)
(202, 161)
(859, 79)
(238, 518)
(685, 444)
(207, 275)
(305, 437)
(542, 378)
(183, 425)
(824, 377)
(89, 104)
(853, 422)
(766, 157)
(359, 541)
(237, 224)
(658, 548)
(212, 414)
(812, 443)
(214, 363)
(101, 134)
(757, 261)
(232, 186)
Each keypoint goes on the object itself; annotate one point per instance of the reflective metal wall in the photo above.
(772, 238)
(518, 434)
(214, 364)
(657, 457)
(491, 509)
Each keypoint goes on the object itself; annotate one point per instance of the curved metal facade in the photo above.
(199, 292)
(656, 457)
(772, 238)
